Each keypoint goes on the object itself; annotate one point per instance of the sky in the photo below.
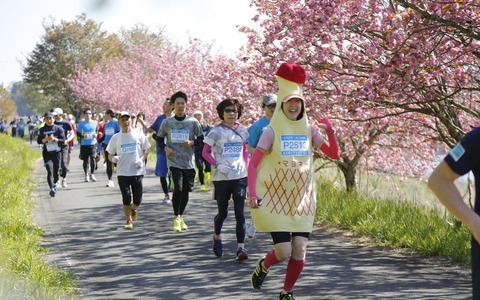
(209, 20)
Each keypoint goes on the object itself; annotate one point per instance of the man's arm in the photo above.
(441, 182)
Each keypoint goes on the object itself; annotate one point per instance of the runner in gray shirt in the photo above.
(182, 132)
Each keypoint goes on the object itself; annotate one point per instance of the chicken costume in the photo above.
(285, 175)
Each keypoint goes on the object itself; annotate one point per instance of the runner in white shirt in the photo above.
(226, 149)
(129, 150)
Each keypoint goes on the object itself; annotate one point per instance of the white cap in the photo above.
(124, 113)
(198, 112)
(57, 111)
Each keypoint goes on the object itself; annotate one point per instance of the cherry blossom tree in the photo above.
(145, 77)
(396, 76)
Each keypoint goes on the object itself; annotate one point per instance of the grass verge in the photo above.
(394, 223)
(24, 273)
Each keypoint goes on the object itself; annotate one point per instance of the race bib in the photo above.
(457, 152)
(52, 146)
(294, 144)
(179, 136)
(109, 131)
(232, 149)
(128, 149)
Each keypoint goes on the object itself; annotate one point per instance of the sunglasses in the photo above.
(272, 106)
(88, 113)
(229, 110)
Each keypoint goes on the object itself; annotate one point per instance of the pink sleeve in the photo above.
(206, 153)
(330, 147)
(252, 173)
(266, 139)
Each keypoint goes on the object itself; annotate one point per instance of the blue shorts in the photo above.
(161, 169)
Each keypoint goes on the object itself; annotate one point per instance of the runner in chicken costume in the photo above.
(281, 179)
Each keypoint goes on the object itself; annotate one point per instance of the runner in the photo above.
(110, 128)
(269, 103)
(182, 132)
(281, 179)
(51, 136)
(161, 169)
(64, 151)
(129, 150)
(203, 166)
(87, 132)
(230, 160)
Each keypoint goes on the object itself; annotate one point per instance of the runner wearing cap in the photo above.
(51, 136)
(64, 148)
(129, 149)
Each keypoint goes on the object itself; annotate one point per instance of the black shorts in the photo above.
(283, 237)
(87, 151)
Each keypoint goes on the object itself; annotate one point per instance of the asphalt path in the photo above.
(84, 232)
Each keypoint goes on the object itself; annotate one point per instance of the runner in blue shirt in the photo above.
(87, 132)
(161, 169)
(110, 128)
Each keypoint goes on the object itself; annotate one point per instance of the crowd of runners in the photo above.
(272, 159)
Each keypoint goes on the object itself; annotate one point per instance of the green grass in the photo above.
(396, 223)
(24, 273)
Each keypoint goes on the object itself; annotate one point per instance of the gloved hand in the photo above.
(139, 163)
(326, 122)
(115, 159)
(223, 168)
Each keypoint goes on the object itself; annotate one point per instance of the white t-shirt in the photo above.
(129, 147)
(227, 148)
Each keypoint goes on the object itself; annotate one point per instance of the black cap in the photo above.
(48, 114)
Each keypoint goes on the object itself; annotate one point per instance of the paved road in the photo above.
(84, 230)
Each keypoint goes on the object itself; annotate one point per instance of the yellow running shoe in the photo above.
(129, 225)
(183, 225)
(203, 187)
(177, 224)
(134, 214)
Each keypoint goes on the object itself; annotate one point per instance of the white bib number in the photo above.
(294, 144)
(232, 149)
(179, 136)
(129, 149)
(52, 146)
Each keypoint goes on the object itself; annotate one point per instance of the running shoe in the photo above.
(64, 182)
(258, 276)
(92, 177)
(241, 254)
(134, 214)
(129, 225)
(251, 229)
(286, 296)
(177, 224)
(217, 247)
(110, 183)
(166, 199)
(87, 179)
(52, 192)
(183, 225)
(203, 187)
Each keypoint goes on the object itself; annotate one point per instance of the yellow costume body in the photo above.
(285, 179)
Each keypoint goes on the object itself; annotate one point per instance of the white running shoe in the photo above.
(110, 183)
(92, 177)
(87, 179)
(251, 229)
(64, 182)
